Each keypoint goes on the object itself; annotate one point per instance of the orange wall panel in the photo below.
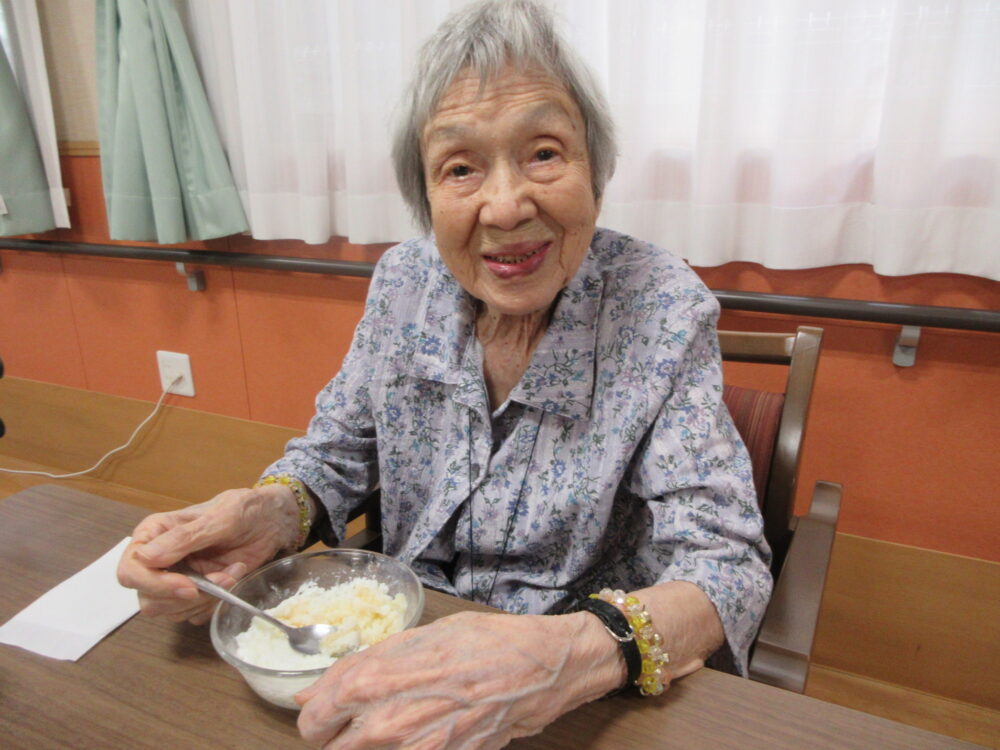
(126, 310)
(37, 332)
(296, 329)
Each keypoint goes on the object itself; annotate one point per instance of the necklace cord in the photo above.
(513, 515)
(472, 577)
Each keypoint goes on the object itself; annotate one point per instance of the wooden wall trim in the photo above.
(926, 620)
(185, 454)
(12, 483)
(79, 148)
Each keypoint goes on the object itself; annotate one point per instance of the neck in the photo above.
(518, 332)
(508, 342)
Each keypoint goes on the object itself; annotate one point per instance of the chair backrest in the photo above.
(773, 424)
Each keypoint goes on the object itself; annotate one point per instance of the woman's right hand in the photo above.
(223, 538)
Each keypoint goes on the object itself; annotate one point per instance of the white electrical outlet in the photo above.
(171, 365)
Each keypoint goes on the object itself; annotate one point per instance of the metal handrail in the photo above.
(195, 257)
(961, 318)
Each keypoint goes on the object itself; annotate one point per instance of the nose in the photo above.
(507, 200)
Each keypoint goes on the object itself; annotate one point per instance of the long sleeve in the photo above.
(337, 457)
(697, 477)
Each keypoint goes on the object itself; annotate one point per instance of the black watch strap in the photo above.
(617, 625)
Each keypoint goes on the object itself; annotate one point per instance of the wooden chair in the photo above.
(773, 427)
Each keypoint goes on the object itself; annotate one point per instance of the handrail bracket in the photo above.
(195, 277)
(905, 352)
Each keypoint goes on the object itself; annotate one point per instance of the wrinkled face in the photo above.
(508, 179)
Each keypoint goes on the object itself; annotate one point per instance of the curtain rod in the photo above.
(960, 318)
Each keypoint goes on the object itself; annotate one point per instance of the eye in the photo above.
(459, 170)
(544, 154)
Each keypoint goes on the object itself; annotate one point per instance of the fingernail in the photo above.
(186, 593)
(236, 570)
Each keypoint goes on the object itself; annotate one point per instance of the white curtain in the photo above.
(21, 37)
(791, 133)
(303, 92)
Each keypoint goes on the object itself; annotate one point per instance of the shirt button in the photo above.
(474, 470)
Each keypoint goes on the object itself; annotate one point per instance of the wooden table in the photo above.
(159, 685)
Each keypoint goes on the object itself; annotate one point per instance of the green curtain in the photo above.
(25, 205)
(166, 177)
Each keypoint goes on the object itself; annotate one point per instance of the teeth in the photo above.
(514, 259)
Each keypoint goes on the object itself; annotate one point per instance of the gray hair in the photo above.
(486, 37)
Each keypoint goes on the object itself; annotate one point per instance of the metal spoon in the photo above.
(305, 639)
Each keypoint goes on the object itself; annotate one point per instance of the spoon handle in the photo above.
(217, 591)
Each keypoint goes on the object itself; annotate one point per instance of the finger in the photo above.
(201, 613)
(158, 584)
(173, 609)
(406, 723)
(178, 604)
(174, 544)
(233, 573)
(150, 528)
(197, 527)
(173, 595)
(203, 617)
(153, 525)
(338, 673)
(303, 696)
(322, 719)
(354, 737)
(328, 681)
(133, 573)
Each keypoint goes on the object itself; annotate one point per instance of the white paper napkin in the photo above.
(70, 619)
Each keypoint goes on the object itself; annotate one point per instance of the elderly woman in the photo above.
(540, 403)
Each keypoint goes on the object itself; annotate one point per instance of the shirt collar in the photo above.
(441, 330)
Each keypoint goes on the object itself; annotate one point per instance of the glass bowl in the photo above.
(271, 584)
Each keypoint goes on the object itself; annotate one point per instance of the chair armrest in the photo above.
(369, 537)
(784, 644)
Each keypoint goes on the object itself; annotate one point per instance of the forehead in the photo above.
(532, 95)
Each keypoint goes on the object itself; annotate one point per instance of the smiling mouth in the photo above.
(513, 260)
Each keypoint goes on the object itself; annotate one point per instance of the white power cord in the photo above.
(110, 453)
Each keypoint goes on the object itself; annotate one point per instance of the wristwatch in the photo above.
(618, 627)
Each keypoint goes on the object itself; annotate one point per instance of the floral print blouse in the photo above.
(612, 463)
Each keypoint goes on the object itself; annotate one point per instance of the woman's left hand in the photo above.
(471, 680)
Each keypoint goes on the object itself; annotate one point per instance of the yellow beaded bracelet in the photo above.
(654, 659)
(301, 499)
